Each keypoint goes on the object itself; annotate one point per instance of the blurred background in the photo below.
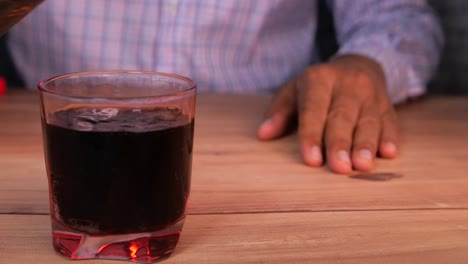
(451, 77)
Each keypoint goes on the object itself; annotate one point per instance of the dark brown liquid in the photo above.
(116, 173)
(11, 11)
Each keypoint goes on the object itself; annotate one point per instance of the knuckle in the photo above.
(365, 78)
(310, 138)
(311, 111)
(365, 144)
(367, 86)
(338, 143)
(369, 121)
(340, 115)
(313, 73)
(362, 76)
(310, 128)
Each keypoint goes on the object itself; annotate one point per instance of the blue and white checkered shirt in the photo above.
(241, 46)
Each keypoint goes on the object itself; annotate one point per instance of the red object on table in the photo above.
(3, 85)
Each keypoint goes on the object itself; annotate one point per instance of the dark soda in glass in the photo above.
(118, 171)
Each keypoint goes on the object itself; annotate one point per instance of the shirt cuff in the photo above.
(401, 79)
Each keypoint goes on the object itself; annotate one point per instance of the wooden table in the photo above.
(255, 202)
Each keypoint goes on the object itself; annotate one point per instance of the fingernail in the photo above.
(316, 153)
(266, 123)
(343, 156)
(390, 146)
(365, 154)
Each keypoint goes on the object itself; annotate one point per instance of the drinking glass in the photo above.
(118, 152)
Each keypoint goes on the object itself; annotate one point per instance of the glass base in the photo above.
(137, 247)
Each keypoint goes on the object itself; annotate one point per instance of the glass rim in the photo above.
(42, 85)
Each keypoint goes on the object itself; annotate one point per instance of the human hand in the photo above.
(343, 108)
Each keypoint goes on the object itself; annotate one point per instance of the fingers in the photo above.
(341, 111)
(374, 133)
(371, 133)
(282, 108)
(341, 121)
(389, 138)
(314, 97)
(366, 137)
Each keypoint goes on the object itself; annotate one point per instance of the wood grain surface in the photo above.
(422, 236)
(256, 202)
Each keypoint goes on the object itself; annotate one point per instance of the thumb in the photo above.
(279, 113)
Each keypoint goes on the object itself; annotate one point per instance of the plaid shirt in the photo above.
(240, 46)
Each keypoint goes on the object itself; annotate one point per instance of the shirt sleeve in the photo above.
(403, 36)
